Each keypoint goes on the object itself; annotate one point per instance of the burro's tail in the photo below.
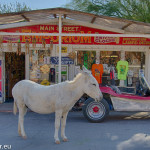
(15, 108)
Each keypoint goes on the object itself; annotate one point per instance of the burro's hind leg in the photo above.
(58, 115)
(63, 125)
(22, 112)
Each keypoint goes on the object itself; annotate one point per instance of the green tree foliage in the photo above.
(138, 10)
(13, 7)
(81, 5)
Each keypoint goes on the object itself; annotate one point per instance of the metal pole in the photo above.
(60, 30)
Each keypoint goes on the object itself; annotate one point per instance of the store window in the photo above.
(44, 66)
(109, 57)
(109, 60)
(86, 58)
(136, 61)
(40, 66)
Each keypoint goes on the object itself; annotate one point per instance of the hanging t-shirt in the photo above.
(122, 68)
(86, 60)
(97, 71)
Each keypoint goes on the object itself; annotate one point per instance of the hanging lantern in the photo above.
(27, 47)
(34, 42)
(43, 43)
(19, 48)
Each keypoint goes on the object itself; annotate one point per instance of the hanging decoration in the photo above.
(50, 48)
(45, 68)
(9, 45)
(43, 43)
(80, 57)
(1, 41)
(51, 45)
(34, 42)
(19, 47)
(48, 52)
(30, 54)
(27, 47)
(72, 55)
(91, 59)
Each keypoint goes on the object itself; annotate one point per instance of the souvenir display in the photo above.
(52, 75)
(40, 57)
(45, 82)
(105, 68)
(27, 47)
(34, 42)
(130, 77)
(46, 60)
(112, 75)
(51, 45)
(97, 72)
(72, 55)
(136, 62)
(86, 60)
(122, 68)
(43, 43)
(39, 66)
(19, 47)
(45, 68)
(80, 58)
(33, 74)
(9, 45)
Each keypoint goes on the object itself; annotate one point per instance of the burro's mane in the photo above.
(76, 78)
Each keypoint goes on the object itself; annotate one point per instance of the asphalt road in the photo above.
(120, 131)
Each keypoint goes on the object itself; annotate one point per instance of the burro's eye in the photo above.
(94, 84)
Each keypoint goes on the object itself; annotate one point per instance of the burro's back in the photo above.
(21, 87)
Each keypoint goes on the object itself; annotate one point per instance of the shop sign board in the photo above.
(72, 39)
(63, 49)
(64, 61)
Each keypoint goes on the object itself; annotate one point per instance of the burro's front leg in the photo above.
(58, 115)
(63, 125)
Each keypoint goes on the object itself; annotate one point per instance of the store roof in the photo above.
(46, 16)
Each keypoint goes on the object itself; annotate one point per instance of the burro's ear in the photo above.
(86, 70)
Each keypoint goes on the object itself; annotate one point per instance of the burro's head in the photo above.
(91, 86)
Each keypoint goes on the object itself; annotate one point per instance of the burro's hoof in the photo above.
(57, 142)
(24, 137)
(65, 140)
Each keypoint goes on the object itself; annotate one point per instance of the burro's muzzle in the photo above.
(99, 98)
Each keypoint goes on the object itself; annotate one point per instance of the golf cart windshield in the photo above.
(144, 82)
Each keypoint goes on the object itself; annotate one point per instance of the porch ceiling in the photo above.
(46, 16)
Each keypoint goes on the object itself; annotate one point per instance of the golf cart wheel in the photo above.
(95, 111)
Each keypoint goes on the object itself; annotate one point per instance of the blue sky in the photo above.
(38, 4)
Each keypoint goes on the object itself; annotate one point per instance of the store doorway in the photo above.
(14, 72)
